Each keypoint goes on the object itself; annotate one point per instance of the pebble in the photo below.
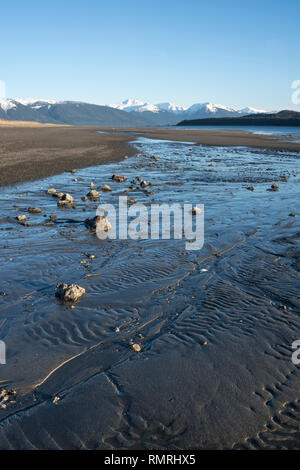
(69, 292)
(93, 195)
(66, 200)
(106, 187)
(99, 222)
(34, 210)
(119, 178)
(51, 191)
(197, 211)
(21, 218)
(131, 201)
(6, 397)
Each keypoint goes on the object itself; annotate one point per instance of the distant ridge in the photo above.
(129, 113)
(282, 118)
(169, 113)
(68, 112)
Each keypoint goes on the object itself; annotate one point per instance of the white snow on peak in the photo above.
(135, 105)
(6, 104)
(208, 107)
(148, 107)
(33, 101)
(128, 105)
(250, 110)
(173, 108)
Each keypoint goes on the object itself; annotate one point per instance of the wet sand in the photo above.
(32, 152)
(215, 326)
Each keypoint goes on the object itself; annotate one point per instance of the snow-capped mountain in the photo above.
(169, 113)
(34, 101)
(174, 108)
(250, 110)
(68, 112)
(128, 105)
(6, 104)
(130, 112)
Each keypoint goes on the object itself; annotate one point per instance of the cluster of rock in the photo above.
(7, 397)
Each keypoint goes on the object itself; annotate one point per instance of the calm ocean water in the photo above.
(268, 130)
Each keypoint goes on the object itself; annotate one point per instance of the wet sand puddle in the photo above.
(215, 326)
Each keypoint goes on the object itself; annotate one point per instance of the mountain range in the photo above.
(169, 113)
(129, 113)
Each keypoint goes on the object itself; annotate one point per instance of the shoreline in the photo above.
(30, 153)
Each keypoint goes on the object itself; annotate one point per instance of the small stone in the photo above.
(292, 214)
(125, 157)
(274, 187)
(53, 217)
(93, 195)
(131, 201)
(99, 222)
(136, 347)
(66, 200)
(51, 191)
(55, 400)
(34, 210)
(197, 211)
(92, 185)
(88, 255)
(251, 188)
(283, 307)
(21, 218)
(119, 178)
(69, 292)
(117, 330)
(84, 198)
(6, 397)
(106, 187)
(144, 183)
(73, 171)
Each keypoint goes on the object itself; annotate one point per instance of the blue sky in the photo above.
(237, 53)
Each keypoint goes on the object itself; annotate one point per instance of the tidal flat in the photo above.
(215, 326)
